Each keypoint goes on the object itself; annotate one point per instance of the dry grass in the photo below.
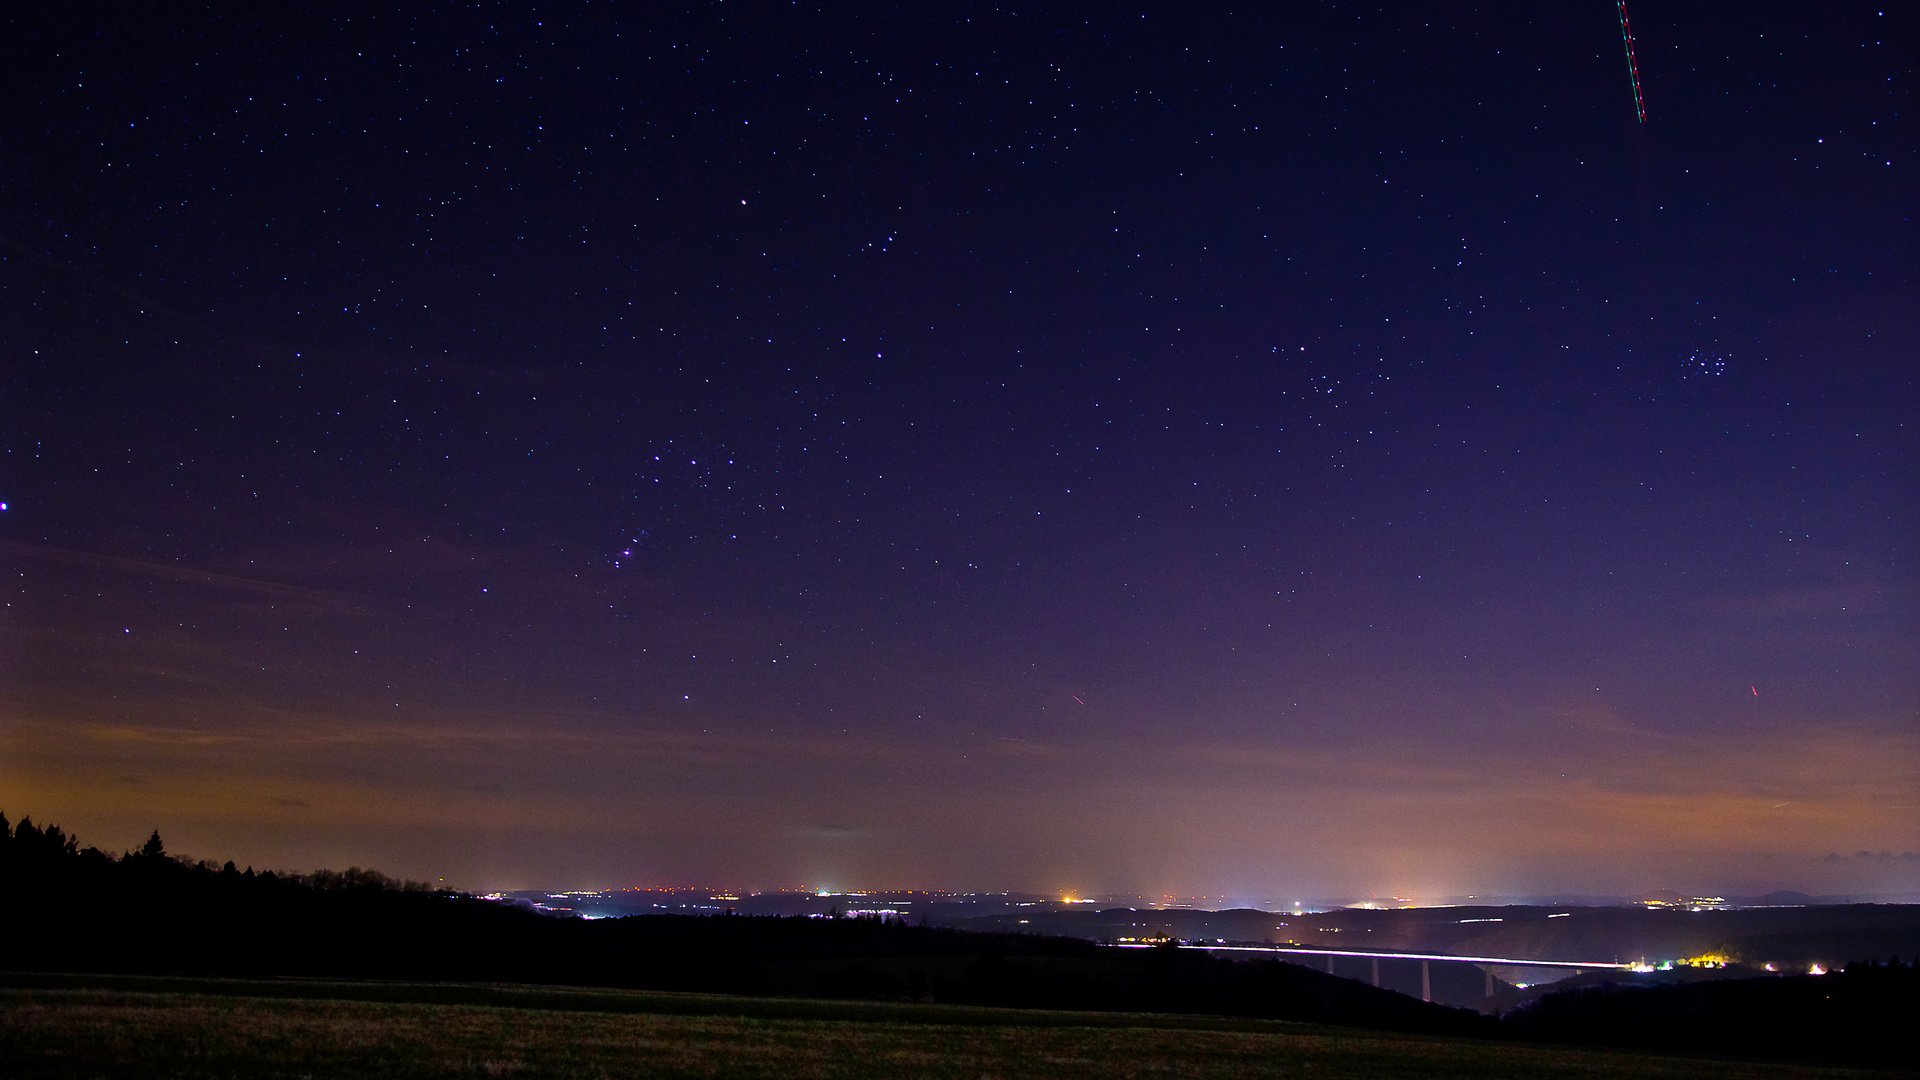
(117, 1033)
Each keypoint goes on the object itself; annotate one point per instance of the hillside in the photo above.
(146, 912)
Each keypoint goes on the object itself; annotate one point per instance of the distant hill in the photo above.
(1862, 1015)
(1785, 936)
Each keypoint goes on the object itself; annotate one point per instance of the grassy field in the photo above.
(79, 1026)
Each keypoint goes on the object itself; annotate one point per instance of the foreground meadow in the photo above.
(174, 1028)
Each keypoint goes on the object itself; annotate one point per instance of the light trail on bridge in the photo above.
(1583, 964)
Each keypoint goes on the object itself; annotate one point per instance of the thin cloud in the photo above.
(274, 590)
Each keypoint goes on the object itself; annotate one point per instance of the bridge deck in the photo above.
(1301, 951)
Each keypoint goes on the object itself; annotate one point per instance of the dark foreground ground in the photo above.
(120, 1026)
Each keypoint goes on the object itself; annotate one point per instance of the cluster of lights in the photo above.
(1704, 366)
(1691, 903)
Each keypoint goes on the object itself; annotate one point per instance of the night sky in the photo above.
(1307, 450)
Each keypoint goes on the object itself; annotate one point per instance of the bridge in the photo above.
(1426, 973)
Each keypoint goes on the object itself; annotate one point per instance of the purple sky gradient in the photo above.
(1073, 448)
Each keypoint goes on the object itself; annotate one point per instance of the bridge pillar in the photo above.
(1426, 982)
(1329, 965)
(1376, 971)
(1489, 982)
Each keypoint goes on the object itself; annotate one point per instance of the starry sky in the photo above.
(1304, 450)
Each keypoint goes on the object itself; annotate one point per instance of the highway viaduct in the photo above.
(1426, 972)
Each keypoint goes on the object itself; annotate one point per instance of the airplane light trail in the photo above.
(1633, 69)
